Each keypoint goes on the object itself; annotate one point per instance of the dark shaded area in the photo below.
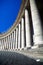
(12, 58)
(24, 34)
(40, 9)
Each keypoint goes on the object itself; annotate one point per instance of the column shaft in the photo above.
(27, 28)
(12, 40)
(4, 44)
(22, 33)
(19, 37)
(16, 37)
(8, 42)
(36, 23)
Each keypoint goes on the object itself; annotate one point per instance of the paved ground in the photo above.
(12, 58)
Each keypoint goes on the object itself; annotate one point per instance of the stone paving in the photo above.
(13, 58)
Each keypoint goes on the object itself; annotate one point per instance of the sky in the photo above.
(8, 13)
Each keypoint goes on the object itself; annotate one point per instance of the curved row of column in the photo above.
(16, 40)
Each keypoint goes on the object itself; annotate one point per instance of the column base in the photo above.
(21, 48)
(13, 49)
(37, 46)
(9, 49)
(27, 48)
(34, 47)
(18, 48)
(41, 45)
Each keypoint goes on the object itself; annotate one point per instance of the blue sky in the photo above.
(8, 12)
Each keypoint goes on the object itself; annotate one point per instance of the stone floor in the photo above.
(13, 58)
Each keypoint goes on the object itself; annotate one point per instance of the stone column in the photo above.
(13, 40)
(10, 42)
(4, 44)
(22, 33)
(0, 44)
(7, 43)
(16, 37)
(38, 40)
(27, 28)
(19, 31)
(0, 41)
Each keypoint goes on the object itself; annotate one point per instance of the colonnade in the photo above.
(16, 40)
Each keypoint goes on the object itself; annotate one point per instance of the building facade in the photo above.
(27, 31)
